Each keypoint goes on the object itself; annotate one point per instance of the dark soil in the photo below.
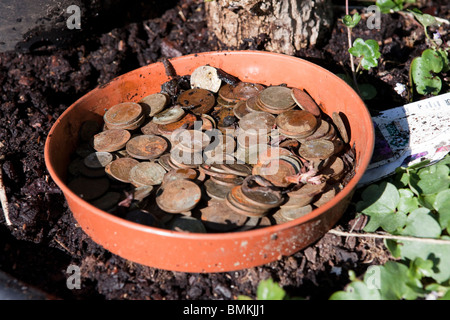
(36, 87)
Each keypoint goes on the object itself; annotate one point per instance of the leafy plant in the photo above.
(388, 6)
(368, 50)
(413, 207)
(268, 290)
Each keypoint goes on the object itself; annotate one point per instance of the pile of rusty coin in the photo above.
(223, 155)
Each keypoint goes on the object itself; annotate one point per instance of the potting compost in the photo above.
(211, 153)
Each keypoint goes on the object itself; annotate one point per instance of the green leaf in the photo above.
(269, 290)
(438, 253)
(387, 5)
(350, 21)
(356, 290)
(379, 202)
(420, 223)
(425, 19)
(368, 49)
(422, 69)
(433, 179)
(442, 206)
(407, 202)
(393, 281)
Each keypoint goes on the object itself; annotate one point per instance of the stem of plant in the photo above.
(4, 200)
(349, 37)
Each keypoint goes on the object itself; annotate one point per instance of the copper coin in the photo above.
(187, 224)
(321, 131)
(164, 161)
(223, 116)
(111, 140)
(230, 182)
(180, 173)
(89, 188)
(192, 140)
(187, 122)
(294, 213)
(316, 149)
(337, 119)
(206, 77)
(258, 122)
(183, 159)
(246, 90)
(305, 101)
(277, 98)
(260, 199)
(140, 193)
(334, 169)
(156, 102)
(239, 203)
(226, 93)
(218, 217)
(146, 147)
(215, 190)
(107, 201)
(239, 169)
(276, 172)
(246, 140)
(178, 196)
(88, 129)
(150, 128)
(297, 122)
(169, 115)
(240, 109)
(299, 201)
(223, 103)
(201, 100)
(325, 197)
(122, 114)
(147, 174)
(309, 190)
(208, 122)
(97, 160)
(252, 105)
(120, 169)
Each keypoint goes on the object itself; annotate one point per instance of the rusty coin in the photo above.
(97, 160)
(120, 169)
(226, 93)
(146, 147)
(218, 217)
(215, 190)
(257, 122)
(156, 102)
(169, 115)
(200, 101)
(230, 182)
(290, 214)
(246, 90)
(316, 149)
(111, 140)
(252, 105)
(180, 173)
(122, 114)
(240, 109)
(337, 119)
(178, 196)
(296, 122)
(147, 174)
(305, 101)
(187, 122)
(277, 98)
